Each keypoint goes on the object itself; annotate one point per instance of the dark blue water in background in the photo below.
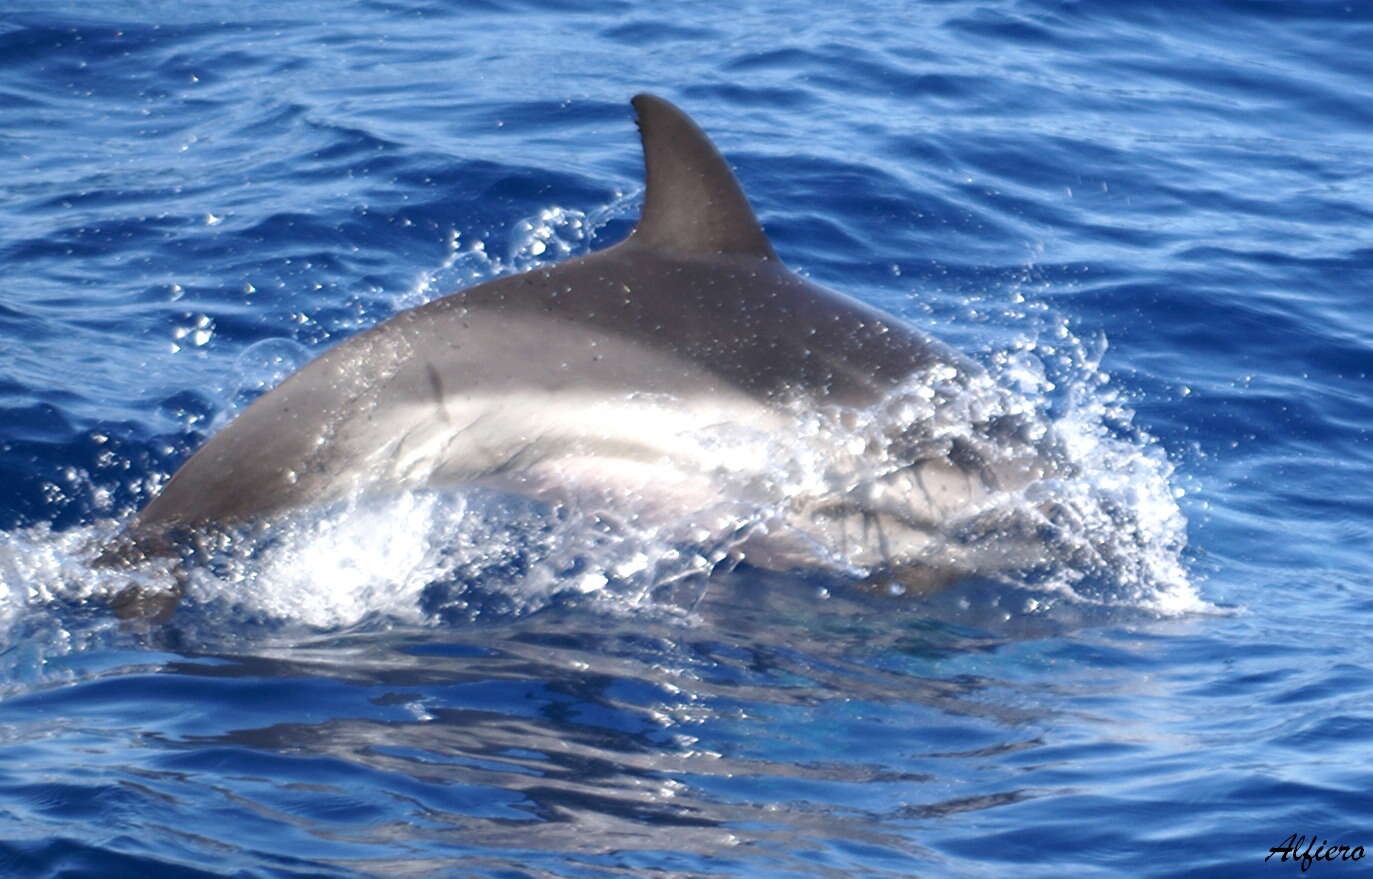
(196, 198)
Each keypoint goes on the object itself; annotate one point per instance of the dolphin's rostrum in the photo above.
(598, 377)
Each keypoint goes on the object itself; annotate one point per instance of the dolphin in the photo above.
(598, 377)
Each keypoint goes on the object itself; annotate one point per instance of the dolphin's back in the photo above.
(752, 324)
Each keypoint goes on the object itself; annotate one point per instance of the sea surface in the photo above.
(1153, 223)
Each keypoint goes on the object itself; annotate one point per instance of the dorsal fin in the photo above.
(692, 202)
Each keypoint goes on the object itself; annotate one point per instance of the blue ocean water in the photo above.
(1151, 220)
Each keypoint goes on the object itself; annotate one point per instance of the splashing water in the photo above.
(1115, 537)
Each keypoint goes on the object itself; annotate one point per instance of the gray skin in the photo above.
(559, 381)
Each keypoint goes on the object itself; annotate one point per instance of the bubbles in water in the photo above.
(332, 569)
(266, 364)
(550, 236)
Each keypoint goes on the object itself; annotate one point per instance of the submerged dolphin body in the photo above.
(600, 376)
